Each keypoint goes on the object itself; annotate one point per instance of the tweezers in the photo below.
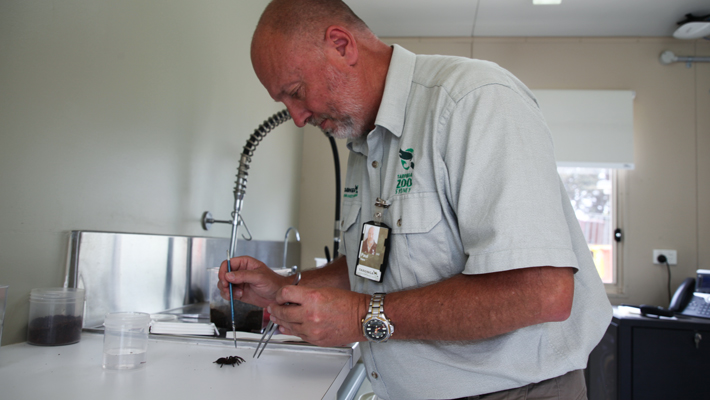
(270, 329)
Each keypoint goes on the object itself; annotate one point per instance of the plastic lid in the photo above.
(57, 294)
(127, 320)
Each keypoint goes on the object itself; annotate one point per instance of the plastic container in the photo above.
(126, 340)
(247, 317)
(56, 316)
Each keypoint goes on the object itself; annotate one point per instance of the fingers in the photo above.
(293, 294)
(240, 264)
(237, 291)
(252, 281)
(322, 316)
(293, 332)
(289, 325)
(249, 276)
(286, 308)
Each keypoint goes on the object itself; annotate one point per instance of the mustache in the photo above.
(316, 122)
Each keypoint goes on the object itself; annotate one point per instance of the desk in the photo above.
(648, 358)
(181, 369)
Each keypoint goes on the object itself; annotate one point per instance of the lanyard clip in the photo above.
(380, 206)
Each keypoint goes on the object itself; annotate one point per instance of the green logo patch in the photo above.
(350, 192)
(406, 157)
(404, 181)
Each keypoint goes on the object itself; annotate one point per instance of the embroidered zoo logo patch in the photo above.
(350, 192)
(404, 181)
(406, 156)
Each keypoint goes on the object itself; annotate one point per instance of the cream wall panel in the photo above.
(129, 116)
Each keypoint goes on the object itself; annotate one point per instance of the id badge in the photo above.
(374, 248)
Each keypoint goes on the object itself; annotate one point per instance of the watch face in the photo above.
(376, 329)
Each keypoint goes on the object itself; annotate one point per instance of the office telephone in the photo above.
(693, 296)
(692, 299)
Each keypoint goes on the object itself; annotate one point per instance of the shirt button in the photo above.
(374, 375)
(399, 222)
(375, 164)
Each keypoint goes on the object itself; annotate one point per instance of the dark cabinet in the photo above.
(648, 358)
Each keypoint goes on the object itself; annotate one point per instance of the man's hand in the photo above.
(252, 281)
(322, 316)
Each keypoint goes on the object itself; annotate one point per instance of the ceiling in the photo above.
(480, 18)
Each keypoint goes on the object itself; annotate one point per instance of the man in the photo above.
(369, 245)
(488, 282)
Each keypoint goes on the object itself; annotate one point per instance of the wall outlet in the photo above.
(671, 256)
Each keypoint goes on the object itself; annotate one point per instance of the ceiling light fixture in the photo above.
(692, 27)
(546, 2)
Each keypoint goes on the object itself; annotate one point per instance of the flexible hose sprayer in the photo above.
(240, 185)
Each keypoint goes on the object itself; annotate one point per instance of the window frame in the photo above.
(619, 180)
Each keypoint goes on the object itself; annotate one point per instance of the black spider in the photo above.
(231, 360)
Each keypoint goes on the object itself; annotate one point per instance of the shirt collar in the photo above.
(393, 106)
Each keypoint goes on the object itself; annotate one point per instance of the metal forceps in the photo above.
(270, 329)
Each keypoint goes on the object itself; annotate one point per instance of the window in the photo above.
(593, 133)
(591, 192)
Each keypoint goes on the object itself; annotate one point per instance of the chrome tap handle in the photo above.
(298, 238)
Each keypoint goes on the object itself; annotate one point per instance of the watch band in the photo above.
(376, 308)
(376, 327)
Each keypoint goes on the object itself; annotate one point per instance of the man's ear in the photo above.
(343, 42)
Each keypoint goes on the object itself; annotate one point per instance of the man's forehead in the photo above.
(275, 64)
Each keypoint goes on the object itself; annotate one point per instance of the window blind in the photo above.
(590, 128)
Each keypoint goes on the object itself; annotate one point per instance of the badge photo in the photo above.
(374, 246)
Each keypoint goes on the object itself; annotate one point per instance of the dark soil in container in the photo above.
(246, 320)
(54, 330)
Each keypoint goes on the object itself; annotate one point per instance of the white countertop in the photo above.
(174, 370)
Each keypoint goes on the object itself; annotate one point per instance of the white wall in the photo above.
(666, 198)
(129, 116)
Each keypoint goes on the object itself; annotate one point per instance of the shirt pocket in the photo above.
(414, 213)
(420, 252)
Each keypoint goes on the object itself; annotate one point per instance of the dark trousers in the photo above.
(570, 386)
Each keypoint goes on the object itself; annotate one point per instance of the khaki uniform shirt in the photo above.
(463, 154)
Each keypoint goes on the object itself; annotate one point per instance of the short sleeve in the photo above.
(503, 182)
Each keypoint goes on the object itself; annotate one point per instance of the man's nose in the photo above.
(299, 114)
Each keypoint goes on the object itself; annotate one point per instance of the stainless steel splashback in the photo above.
(153, 273)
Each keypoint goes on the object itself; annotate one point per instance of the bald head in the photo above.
(307, 20)
(322, 62)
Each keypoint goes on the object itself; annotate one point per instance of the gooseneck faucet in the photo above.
(298, 239)
(239, 190)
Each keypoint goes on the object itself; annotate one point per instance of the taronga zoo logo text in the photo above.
(404, 181)
(350, 192)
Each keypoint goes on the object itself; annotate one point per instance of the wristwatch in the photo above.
(376, 327)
